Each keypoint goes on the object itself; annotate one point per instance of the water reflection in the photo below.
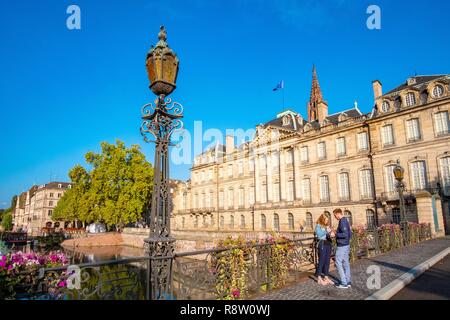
(105, 253)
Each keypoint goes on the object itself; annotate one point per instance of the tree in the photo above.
(5, 212)
(7, 221)
(116, 191)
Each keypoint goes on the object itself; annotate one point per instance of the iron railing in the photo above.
(194, 275)
(198, 274)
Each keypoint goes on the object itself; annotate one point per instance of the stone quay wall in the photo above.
(186, 240)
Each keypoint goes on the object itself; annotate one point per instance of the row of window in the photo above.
(207, 200)
(418, 176)
(413, 132)
(410, 98)
(309, 222)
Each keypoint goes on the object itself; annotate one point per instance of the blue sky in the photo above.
(64, 91)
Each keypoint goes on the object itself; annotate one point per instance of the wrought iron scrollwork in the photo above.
(161, 119)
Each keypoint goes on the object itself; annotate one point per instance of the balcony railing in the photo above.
(407, 193)
(390, 195)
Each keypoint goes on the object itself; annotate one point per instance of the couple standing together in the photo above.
(325, 234)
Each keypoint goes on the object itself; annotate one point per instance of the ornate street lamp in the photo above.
(399, 174)
(161, 119)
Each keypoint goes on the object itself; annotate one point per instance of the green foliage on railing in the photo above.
(358, 243)
(233, 266)
(386, 238)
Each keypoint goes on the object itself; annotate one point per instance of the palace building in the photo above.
(295, 169)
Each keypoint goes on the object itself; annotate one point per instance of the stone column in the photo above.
(282, 169)
(269, 177)
(297, 179)
(429, 210)
(257, 180)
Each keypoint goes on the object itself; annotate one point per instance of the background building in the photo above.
(295, 169)
(35, 207)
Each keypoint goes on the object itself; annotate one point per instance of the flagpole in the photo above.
(283, 97)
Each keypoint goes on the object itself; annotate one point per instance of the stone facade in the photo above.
(294, 170)
(34, 207)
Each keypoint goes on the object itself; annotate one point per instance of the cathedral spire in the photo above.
(316, 100)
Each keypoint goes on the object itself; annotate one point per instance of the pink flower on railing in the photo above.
(62, 283)
(236, 293)
(3, 261)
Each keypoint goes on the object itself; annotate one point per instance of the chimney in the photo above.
(229, 144)
(322, 110)
(377, 89)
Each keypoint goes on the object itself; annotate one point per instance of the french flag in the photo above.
(279, 86)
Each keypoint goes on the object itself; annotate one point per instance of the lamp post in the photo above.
(399, 174)
(160, 120)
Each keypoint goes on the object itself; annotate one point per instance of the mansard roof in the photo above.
(416, 82)
(350, 113)
(294, 121)
(301, 122)
(55, 185)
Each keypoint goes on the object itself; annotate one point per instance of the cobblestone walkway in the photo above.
(392, 264)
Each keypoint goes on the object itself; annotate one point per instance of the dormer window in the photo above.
(410, 99)
(342, 117)
(411, 81)
(286, 121)
(59, 186)
(438, 91)
(385, 106)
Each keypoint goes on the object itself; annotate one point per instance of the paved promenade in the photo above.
(434, 284)
(392, 265)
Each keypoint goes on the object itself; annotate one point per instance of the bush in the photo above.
(19, 271)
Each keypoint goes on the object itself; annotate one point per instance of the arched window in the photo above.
(276, 222)
(263, 222)
(419, 175)
(204, 222)
(396, 218)
(370, 217)
(385, 106)
(211, 220)
(222, 222)
(231, 222)
(348, 215)
(410, 99)
(445, 174)
(183, 222)
(291, 221)
(309, 221)
(242, 221)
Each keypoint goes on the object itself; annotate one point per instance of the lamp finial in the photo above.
(162, 35)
